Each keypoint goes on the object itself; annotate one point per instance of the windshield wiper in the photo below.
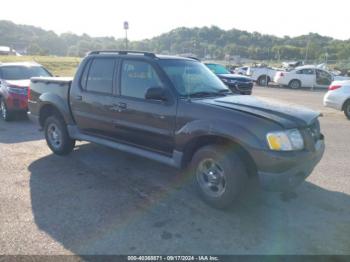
(208, 94)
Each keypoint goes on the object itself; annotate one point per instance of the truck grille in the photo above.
(315, 131)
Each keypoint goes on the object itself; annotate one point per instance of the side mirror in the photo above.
(157, 93)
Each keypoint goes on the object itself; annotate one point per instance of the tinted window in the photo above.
(306, 72)
(85, 75)
(190, 77)
(217, 69)
(137, 78)
(100, 78)
(23, 72)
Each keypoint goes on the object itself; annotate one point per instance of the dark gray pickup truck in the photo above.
(176, 111)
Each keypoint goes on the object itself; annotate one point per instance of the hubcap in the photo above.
(295, 84)
(3, 110)
(211, 177)
(54, 135)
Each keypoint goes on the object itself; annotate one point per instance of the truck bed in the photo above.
(46, 88)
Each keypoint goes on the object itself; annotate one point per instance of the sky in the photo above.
(149, 18)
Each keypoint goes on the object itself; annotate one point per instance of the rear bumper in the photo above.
(283, 171)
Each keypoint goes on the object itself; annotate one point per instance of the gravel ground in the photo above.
(100, 201)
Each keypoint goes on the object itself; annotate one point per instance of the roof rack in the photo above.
(122, 52)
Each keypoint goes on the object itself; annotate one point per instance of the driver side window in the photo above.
(137, 77)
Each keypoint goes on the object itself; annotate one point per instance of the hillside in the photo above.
(204, 42)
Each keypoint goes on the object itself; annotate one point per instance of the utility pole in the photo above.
(126, 27)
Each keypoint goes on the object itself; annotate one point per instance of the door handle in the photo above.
(118, 107)
(79, 98)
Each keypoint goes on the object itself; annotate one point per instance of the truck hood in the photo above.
(235, 77)
(285, 114)
(18, 83)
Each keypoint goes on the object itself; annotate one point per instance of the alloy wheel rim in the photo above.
(295, 85)
(54, 136)
(211, 177)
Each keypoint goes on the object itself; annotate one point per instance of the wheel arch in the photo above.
(54, 102)
(46, 111)
(231, 145)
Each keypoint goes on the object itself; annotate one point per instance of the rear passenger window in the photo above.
(306, 72)
(137, 78)
(100, 78)
(85, 75)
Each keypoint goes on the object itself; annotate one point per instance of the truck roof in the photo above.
(139, 53)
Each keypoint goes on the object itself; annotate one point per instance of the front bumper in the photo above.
(243, 88)
(332, 100)
(283, 171)
(15, 102)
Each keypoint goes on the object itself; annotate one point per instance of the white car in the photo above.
(338, 97)
(241, 70)
(304, 76)
(262, 75)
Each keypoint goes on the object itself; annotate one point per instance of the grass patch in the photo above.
(59, 66)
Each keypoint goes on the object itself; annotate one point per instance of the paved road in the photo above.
(99, 201)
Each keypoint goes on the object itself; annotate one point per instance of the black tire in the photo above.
(5, 113)
(346, 108)
(294, 84)
(227, 163)
(263, 80)
(57, 137)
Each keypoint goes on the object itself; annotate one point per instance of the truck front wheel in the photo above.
(57, 137)
(219, 175)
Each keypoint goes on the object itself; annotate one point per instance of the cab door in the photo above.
(139, 121)
(323, 78)
(307, 77)
(92, 98)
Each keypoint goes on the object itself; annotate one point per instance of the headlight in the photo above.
(229, 81)
(16, 90)
(288, 140)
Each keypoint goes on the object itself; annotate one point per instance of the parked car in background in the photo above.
(14, 86)
(176, 111)
(338, 97)
(238, 84)
(261, 74)
(304, 76)
(241, 70)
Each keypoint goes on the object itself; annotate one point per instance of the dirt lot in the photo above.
(100, 201)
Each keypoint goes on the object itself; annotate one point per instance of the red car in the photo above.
(14, 86)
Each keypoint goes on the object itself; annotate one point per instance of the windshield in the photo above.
(23, 72)
(217, 69)
(191, 78)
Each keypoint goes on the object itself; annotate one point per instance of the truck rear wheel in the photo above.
(57, 137)
(294, 84)
(219, 175)
(263, 80)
